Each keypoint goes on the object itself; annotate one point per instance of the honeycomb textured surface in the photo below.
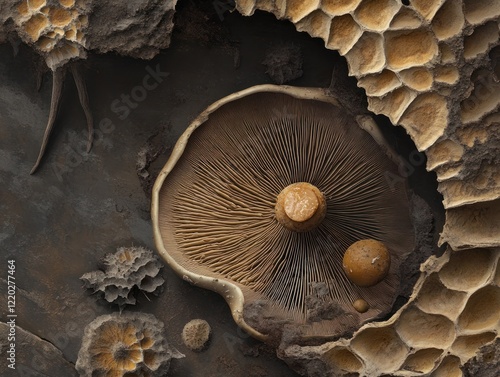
(125, 272)
(453, 311)
(432, 67)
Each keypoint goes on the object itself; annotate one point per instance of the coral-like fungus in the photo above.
(366, 262)
(127, 271)
(196, 334)
(119, 345)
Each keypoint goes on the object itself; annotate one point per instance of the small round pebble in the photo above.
(361, 305)
(196, 334)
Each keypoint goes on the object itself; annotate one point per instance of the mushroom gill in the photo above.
(218, 209)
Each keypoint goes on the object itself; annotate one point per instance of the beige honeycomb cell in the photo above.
(444, 152)
(406, 18)
(450, 367)
(447, 55)
(341, 358)
(449, 20)
(339, 7)
(446, 74)
(427, 8)
(367, 54)
(344, 33)
(481, 40)
(316, 23)
(467, 271)
(481, 311)
(475, 224)
(479, 11)
(381, 349)
(381, 84)
(409, 48)
(394, 104)
(422, 361)
(384, 9)
(419, 79)
(466, 346)
(425, 119)
(435, 298)
(433, 329)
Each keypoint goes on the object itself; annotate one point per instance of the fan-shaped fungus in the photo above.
(261, 197)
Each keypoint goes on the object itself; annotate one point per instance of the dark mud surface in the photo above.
(57, 224)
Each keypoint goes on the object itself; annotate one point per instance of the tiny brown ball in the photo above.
(366, 262)
(361, 305)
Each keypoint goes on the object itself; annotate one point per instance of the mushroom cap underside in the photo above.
(214, 209)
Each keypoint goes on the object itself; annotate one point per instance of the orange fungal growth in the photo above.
(366, 262)
(300, 207)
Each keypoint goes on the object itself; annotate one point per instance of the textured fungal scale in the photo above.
(431, 66)
(55, 28)
(128, 270)
(123, 345)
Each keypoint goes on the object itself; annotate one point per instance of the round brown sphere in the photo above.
(366, 262)
(361, 305)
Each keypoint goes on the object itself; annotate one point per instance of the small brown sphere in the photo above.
(367, 262)
(361, 305)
